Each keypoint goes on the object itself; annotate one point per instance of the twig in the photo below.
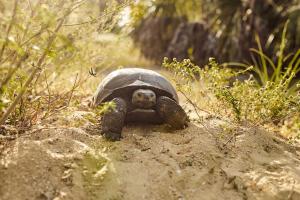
(73, 89)
(100, 17)
(18, 98)
(196, 110)
(69, 11)
(34, 72)
(230, 139)
(192, 103)
(22, 44)
(30, 6)
(48, 89)
(11, 72)
(9, 28)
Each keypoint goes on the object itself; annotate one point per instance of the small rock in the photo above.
(145, 148)
(67, 177)
(70, 165)
(164, 150)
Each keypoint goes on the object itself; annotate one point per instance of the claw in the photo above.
(112, 136)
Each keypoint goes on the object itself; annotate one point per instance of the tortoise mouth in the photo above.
(144, 104)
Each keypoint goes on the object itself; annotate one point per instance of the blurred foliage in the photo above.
(233, 24)
(171, 8)
(282, 72)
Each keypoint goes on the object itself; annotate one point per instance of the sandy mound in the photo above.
(151, 162)
(193, 164)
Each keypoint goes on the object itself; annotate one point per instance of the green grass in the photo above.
(268, 104)
(279, 72)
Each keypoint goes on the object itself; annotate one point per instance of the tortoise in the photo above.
(139, 95)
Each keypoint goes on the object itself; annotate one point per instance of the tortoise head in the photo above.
(143, 98)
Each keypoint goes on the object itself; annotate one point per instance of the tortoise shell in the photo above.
(123, 82)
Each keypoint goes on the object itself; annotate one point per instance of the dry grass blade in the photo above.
(9, 28)
(72, 90)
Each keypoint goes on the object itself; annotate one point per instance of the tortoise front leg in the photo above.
(113, 121)
(171, 112)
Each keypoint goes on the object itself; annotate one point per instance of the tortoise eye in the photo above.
(139, 94)
(151, 95)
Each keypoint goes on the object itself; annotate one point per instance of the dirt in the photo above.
(68, 159)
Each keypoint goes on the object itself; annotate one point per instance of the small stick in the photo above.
(73, 89)
(196, 110)
(123, 5)
(12, 72)
(230, 139)
(48, 89)
(9, 28)
(32, 75)
(192, 103)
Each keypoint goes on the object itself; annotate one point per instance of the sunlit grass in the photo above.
(243, 102)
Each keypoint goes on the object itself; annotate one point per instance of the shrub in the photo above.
(46, 50)
(271, 103)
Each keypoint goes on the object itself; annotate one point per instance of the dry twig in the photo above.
(34, 72)
(9, 28)
(73, 89)
(12, 71)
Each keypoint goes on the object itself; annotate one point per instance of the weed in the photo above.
(243, 101)
(227, 96)
(269, 71)
(105, 107)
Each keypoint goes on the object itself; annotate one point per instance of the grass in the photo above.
(270, 104)
(47, 51)
(50, 61)
(281, 72)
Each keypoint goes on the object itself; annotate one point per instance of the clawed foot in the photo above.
(112, 136)
(172, 113)
(113, 121)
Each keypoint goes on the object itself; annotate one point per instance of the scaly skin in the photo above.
(166, 108)
(113, 121)
(171, 112)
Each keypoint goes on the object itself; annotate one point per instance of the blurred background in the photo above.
(224, 29)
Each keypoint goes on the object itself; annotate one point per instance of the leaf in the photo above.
(51, 53)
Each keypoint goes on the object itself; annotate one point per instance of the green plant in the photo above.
(230, 24)
(46, 50)
(227, 96)
(189, 76)
(105, 107)
(243, 101)
(269, 71)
